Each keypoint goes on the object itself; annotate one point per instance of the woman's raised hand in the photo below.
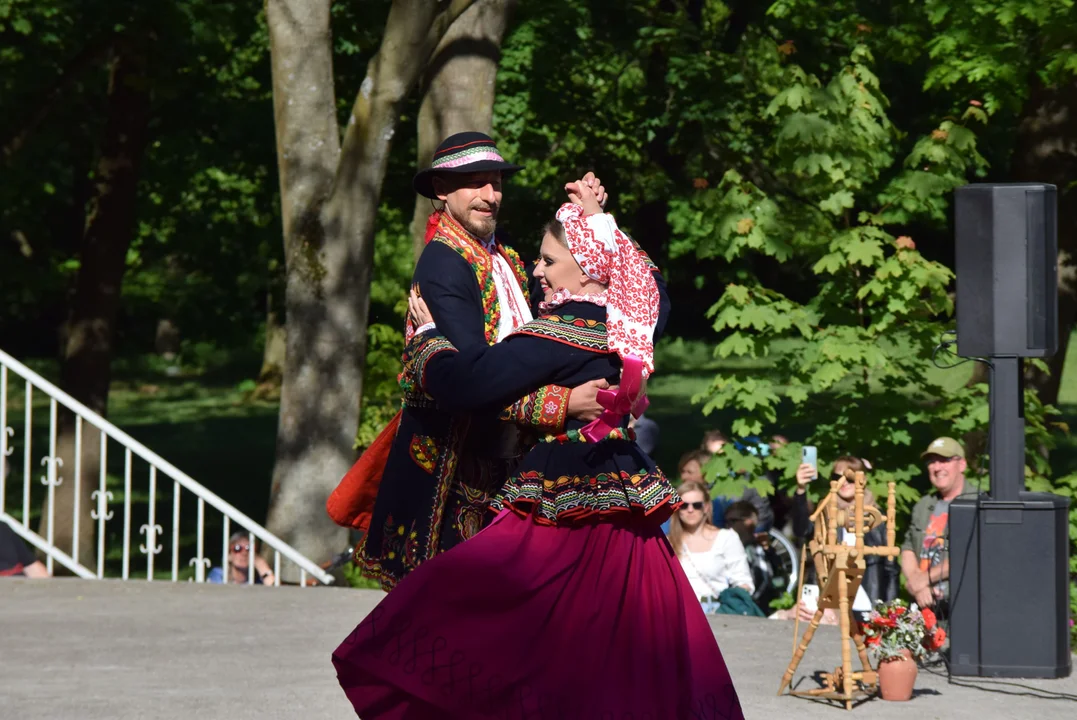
(420, 313)
(583, 194)
(805, 473)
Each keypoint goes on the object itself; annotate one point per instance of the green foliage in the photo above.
(875, 316)
(381, 394)
(784, 602)
(355, 578)
(385, 339)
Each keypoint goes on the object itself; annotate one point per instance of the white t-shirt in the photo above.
(724, 565)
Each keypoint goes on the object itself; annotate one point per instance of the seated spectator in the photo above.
(742, 518)
(925, 559)
(16, 560)
(714, 441)
(712, 558)
(239, 555)
(880, 581)
(690, 466)
(690, 470)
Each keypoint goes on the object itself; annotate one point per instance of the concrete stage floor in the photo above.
(110, 650)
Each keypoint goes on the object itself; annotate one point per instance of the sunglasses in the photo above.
(698, 505)
(837, 476)
(241, 547)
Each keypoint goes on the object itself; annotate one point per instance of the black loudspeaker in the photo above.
(1007, 270)
(1009, 587)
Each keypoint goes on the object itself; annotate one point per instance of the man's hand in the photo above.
(595, 185)
(583, 403)
(924, 597)
(582, 194)
(917, 581)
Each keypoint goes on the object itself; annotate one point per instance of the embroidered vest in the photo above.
(450, 233)
(570, 330)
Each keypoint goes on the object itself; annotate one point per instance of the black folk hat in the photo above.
(465, 152)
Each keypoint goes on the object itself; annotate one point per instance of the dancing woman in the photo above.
(571, 603)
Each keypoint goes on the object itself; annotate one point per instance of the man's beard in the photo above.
(480, 227)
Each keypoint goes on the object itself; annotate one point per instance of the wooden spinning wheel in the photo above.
(840, 568)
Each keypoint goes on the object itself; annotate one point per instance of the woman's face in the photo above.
(556, 268)
(847, 490)
(240, 553)
(694, 510)
(692, 472)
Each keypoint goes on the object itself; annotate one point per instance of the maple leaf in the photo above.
(939, 135)
(745, 225)
(787, 48)
(905, 243)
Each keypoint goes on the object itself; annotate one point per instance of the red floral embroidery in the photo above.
(607, 255)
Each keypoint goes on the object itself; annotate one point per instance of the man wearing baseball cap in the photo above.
(925, 560)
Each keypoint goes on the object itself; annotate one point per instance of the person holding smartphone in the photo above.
(880, 581)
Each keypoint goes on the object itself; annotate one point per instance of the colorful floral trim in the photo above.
(417, 353)
(399, 544)
(576, 436)
(450, 233)
(467, 155)
(517, 266)
(424, 452)
(445, 473)
(568, 329)
(570, 498)
(545, 409)
(404, 548)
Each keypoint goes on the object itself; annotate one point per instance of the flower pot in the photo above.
(897, 677)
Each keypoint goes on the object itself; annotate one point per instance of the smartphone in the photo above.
(810, 456)
(810, 597)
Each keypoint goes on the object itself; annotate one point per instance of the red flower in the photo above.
(886, 622)
(898, 611)
(929, 618)
(935, 640)
(873, 640)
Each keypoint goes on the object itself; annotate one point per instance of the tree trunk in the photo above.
(1046, 151)
(85, 369)
(459, 88)
(329, 196)
(274, 351)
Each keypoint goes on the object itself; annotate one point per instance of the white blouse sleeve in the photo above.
(736, 561)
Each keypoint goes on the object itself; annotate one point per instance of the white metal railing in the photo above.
(101, 513)
(53, 552)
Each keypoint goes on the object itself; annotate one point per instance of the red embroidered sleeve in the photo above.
(545, 409)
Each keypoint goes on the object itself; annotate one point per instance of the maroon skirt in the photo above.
(535, 621)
